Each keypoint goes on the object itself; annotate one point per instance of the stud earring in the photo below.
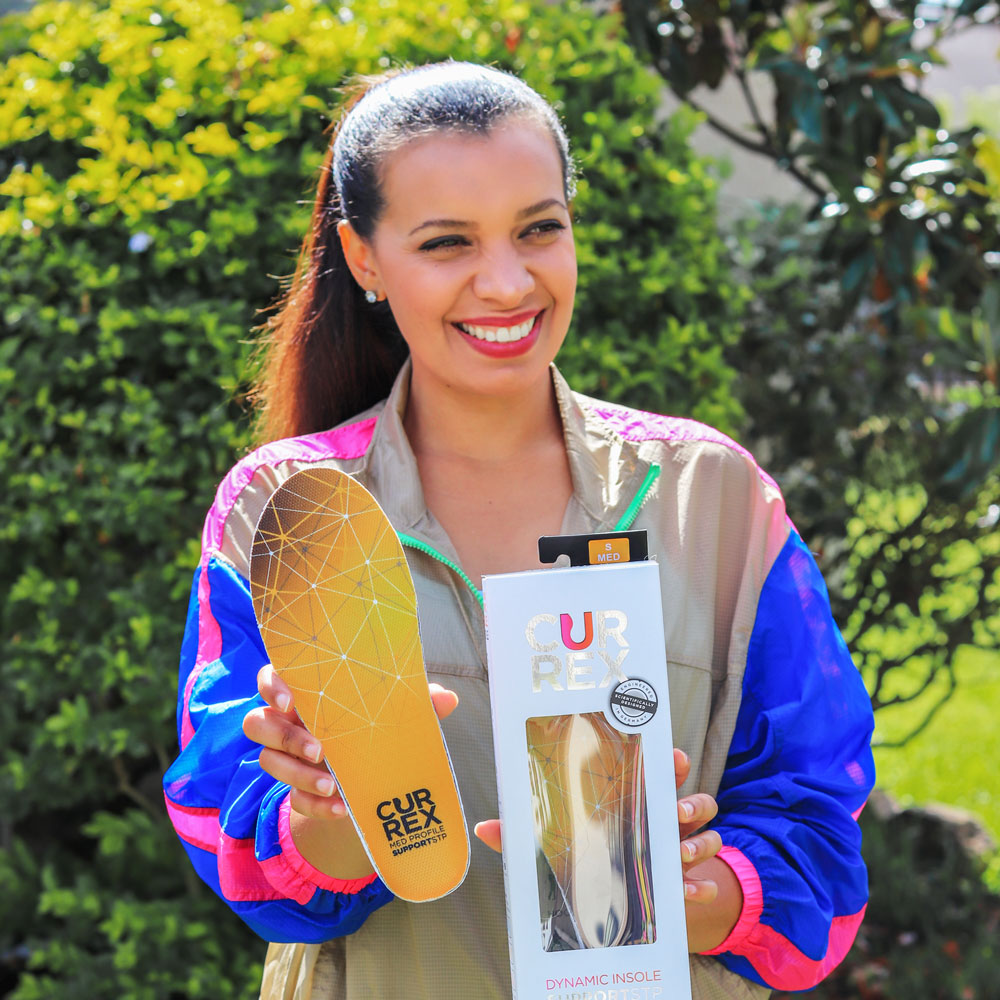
(371, 297)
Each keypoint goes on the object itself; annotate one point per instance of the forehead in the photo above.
(458, 173)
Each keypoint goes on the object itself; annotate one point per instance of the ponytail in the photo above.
(327, 354)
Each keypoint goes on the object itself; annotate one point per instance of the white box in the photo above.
(581, 729)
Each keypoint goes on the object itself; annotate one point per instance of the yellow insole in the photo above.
(335, 603)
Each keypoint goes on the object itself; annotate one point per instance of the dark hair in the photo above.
(328, 354)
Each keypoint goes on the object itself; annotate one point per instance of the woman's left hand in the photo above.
(693, 812)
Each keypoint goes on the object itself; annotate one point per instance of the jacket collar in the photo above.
(606, 469)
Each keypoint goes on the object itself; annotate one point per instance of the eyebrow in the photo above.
(525, 213)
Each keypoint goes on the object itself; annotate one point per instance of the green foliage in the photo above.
(882, 442)
(152, 157)
(913, 204)
(924, 769)
(870, 348)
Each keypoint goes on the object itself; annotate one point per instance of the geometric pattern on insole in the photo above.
(338, 615)
(336, 606)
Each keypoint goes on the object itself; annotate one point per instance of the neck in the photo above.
(444, 422)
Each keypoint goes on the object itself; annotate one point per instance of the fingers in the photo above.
(682, 766)
(290, 754)
(273, 689)
(317, 806)
(444, 701)
(313, 778)
(700, 890)
(489, 833)
(695, 850)
(281, 731)
(694, 811)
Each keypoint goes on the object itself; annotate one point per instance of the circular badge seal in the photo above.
(633, 702)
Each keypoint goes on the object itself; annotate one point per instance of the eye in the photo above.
(547, 227)
(444, 243)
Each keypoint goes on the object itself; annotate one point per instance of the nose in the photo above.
(503, 277)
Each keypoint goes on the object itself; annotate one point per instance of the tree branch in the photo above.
(903, 699)
(767, 149)
(127, 789)
(730, 133)
(758, 118)
(896, 744)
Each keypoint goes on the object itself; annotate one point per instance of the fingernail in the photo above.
(313, 751)
(687, 809)
(685, 757)
(338, 808)
(690, 889)
(690, 850)
(283, 702)
(325, 786)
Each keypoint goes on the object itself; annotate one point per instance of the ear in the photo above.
(359, 257)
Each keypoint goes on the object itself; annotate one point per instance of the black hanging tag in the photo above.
(604, 548)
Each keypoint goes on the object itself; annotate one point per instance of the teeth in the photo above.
(503, 334)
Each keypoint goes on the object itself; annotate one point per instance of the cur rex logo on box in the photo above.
(565, 663)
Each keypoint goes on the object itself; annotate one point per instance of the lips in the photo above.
(503, 338)
(499, 334)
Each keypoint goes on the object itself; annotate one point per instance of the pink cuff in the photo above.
(753, 899)
(291, 874)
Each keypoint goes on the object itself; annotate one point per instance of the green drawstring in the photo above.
(415, 543)
(624, 523)
(627, 519)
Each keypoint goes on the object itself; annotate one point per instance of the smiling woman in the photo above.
(414, 352)
(493, 276)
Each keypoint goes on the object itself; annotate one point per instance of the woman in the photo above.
(440, 273)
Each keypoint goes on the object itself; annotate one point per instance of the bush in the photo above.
(884, 441)
(930, 930)
(153, 155)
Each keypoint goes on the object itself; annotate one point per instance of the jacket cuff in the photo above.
(293, 876)
(753, 899)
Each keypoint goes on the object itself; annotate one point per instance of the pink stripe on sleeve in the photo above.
(242, 878)
(776, 959)
(784, 967)
(199, 827)
(347, 442)
(291, 873)
(753, 898)
(209, 647)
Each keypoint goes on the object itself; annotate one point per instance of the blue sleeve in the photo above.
(231, 816)
(798, 773)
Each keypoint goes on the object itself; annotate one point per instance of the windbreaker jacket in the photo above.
(764, 698)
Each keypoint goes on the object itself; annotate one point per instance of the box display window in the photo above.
(591, 833)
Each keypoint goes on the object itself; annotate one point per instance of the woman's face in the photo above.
(474, 251)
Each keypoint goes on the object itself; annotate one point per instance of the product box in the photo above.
(581, 729)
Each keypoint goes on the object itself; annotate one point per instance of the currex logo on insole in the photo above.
(410, 821)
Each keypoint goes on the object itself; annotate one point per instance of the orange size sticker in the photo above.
(608, 550)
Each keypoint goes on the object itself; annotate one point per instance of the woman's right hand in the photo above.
(292, 755)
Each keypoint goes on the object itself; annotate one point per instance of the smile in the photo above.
(499, 334)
